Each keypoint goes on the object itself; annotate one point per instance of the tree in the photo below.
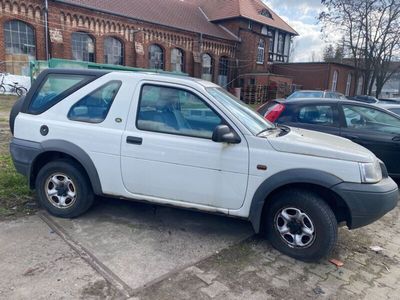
(329, 53)
(371, 34)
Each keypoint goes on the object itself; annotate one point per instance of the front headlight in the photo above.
(370, 172)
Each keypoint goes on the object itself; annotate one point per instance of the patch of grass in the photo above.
(14, 190)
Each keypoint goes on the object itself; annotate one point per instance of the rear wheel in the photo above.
(2, 90)
(21, 91)
(64, 189)
(301, 225)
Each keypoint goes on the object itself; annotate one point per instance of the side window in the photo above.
(176, 111)
(316, 114)
(55, 88)
(366, 118)
(94, 107)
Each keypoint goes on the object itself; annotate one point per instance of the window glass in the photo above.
(156, 57)
(348, 84)
(365, 118)
(223, 71)
(316, 114)
(94, 107)
(281, 43)
(207, 67)
(334, 81)
(176, 111)
(311, 94)
(177, 64)
(82, 47)
(113, 51)
(261, 51)
(19, 38)
(53, 89)
(247, 116)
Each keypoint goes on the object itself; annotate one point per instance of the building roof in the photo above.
(172, 13)
(189, 15)
(249, 9)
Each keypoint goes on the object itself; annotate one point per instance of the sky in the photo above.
(302, 16)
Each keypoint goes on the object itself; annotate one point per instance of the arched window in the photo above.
(177, 60)
(223, 71)
(207, 67)
(19, 38)
(348, 84)
(261, 51)
(82, 47)
(113, 51)
(360, 85)
(334, 80)
(156, 57)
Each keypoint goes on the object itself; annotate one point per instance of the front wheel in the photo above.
(64, 189)
(301, 225)
(2, 90)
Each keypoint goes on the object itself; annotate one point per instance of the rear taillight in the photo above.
(275, 113)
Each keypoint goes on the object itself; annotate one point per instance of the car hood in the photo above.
(313, 143)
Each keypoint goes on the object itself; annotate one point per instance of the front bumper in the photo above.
(368, 202)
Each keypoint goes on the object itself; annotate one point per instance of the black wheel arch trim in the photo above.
(293, 176)
(77, 153)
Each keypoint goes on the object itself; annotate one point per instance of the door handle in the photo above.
(134, 140)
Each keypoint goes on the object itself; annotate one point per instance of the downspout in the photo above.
(46, 27)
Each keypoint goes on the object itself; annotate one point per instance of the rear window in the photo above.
(306, 95)
(55, 88)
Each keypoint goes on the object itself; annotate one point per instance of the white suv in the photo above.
(188, 143)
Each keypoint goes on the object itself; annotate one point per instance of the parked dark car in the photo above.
(310, 94)
(365, 99)
(372, 127)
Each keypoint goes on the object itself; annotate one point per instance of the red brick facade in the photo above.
(320, 76)
(136, 37)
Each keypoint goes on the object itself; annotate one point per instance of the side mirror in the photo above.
(224, 134)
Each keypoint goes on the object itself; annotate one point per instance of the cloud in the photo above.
(302, 16)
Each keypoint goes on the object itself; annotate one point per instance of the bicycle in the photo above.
(15, 88)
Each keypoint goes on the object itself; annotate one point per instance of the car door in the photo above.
(375, 129)
(316, 116)
(168, 153)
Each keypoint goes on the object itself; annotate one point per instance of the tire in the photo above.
(21, 91)
(72, 180)
(2, 90)
(313, 226)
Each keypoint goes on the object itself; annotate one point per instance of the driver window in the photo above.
(371, 119)
(94, 107)
(175, 111)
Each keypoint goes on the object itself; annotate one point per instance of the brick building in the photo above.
(230, 42)
(323, 76)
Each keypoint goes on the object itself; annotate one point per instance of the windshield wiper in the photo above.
(284, 130)
(267, 130)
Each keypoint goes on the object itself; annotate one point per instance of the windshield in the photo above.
(310, 94)
(252, 120)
